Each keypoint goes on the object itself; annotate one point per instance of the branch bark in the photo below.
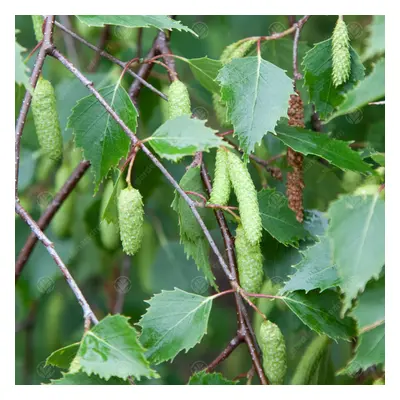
(235, 342)
(48, 215)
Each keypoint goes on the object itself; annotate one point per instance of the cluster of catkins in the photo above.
(295, 183)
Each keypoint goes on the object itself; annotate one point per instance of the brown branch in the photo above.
(26, 102)
(56, 54)
(245, 329)
(298, 26)
(113, 59)
(87, 311)
(105, 34)
(48, 215)
(235, 342)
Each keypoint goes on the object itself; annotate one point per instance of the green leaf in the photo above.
(320, 312)
(379, 158)
(205, 71)
(191, 235)
(175, 321)
(111, 348)
(318, 77)
(278, 219)
(370, 308)
(110, 213)
(80, 378)
(370, 351)
(357, 231)
(183, 136)
(335, 151)
(160, 22)
(315, 270)
(257, 95)
(215, 378)
(62, 358)
(103, 141)
(21, 70)
(370, 89)
(376, 39)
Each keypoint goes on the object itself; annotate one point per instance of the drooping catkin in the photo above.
(273, 348)
(46, 121)
(341, 59)
(37, 21)
(222, 184)
(63, 219)
(310, 361)
(109, 232)
(295, 183)
(130, 216)
(178, 100)
(249, 261)
(246, 195)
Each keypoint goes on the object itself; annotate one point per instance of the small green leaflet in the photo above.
(376, 39)
(183, 136)
(357, 231)
(215, 378)
(205, 71)
(62, 358)
(160, 22)
(80, 378)
(257, 95)
(317, 65)
(175, 321)
(110, 213)
(370, 308)
(278, 219)
(370, 351)
(379, 158)
(315, 270)
(320, 312)
(111, 348)
(21, 70)
(103, 141)
(335, 151)
(370, 89)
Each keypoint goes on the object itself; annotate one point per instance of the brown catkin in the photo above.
(295, 183)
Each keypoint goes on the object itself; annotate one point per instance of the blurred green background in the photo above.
(47, 314)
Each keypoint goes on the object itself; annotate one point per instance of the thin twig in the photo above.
(56, 54)
(296, 73)
(112, 59)
(235, 342)
(105, 33)
(48, 215)
(87, 311)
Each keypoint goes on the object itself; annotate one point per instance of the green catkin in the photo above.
(310, 361)
(130, 215)
(109, 232)
(62, 221)
(266, 306)
(222, 184)
(341, 59)
(273, 348)
(249, 261)
(46, 120)
(246, 195)
(178, 100)
(37, 21)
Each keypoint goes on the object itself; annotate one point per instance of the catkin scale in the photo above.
(310, 361)
(109, 232)
(273, 347)
(341, 59)
(37, 21)
(222, 184)
(246, 195)
(249, 261)
(46, 120)
(178, 100)
(63, 219)
(130, 216)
